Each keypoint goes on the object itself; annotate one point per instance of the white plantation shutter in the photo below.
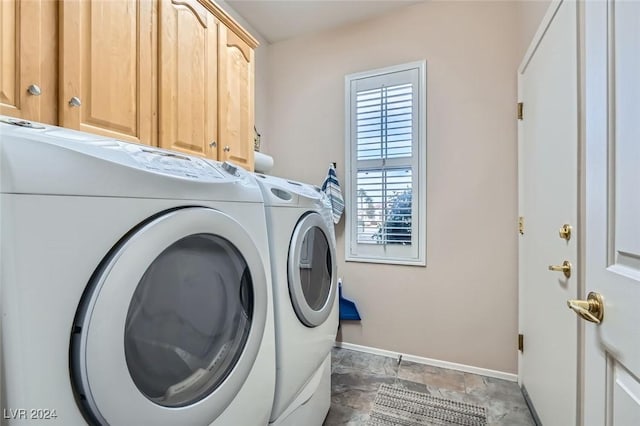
(386, 161)
(383, 217)
(384, 122)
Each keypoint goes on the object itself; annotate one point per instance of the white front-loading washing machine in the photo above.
(303, 262)
(135, 285)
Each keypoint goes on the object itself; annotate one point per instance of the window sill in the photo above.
(388, 261)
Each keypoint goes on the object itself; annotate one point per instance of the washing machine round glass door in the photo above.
(171, 323)
(312, 270)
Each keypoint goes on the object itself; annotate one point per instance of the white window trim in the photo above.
(420, 174)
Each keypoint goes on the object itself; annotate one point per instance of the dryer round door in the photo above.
(312, 270)
(171, 323)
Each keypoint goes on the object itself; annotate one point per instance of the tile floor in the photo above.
(356, 377)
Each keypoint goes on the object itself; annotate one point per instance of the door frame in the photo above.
(593, 414)
(600, 139)
(581, 178)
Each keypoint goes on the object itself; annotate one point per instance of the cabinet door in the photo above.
(107, 68)
(236, 85)
(188, 78)
(28, 47)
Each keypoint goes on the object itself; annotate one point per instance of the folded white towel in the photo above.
(331, 187)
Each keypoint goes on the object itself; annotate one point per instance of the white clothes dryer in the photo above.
(303, 262)
(135, 284)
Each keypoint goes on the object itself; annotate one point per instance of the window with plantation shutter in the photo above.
(386, 165)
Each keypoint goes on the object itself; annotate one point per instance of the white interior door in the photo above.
(548, 181)
(612, 101)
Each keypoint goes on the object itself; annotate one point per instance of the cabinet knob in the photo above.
(227, 149)
(75, 101)
(213, 144)
(34, 89)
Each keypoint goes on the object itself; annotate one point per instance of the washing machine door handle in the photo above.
(246, 293)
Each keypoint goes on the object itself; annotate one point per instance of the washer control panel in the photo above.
(172, 163)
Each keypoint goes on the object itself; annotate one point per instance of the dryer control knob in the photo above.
(230, 168)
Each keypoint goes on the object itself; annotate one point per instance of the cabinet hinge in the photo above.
(521, 225)
(521, 342)
(520, 110)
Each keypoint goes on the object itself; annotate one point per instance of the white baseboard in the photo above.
(429, 361)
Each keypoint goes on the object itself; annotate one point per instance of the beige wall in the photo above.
(530, 13)
(463, 306)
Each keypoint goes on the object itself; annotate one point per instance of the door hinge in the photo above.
(521, 225)
(521, 342)
(520, 110)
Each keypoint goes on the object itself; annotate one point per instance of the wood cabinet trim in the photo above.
(196, 8)
(233, 40)
(230, 23)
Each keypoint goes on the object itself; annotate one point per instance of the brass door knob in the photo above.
(564, 268)
(565, 232)
(591, 309)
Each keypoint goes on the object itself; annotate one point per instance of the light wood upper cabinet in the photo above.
(107, 68)
(28, 48)
(206, 68)
(236, 99)
(178, 74)
(188, 73)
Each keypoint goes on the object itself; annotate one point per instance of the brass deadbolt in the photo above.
(565, 232)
